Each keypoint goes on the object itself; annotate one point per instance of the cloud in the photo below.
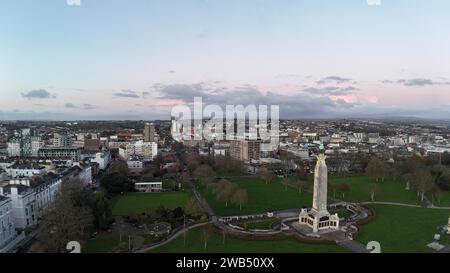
(416, 82)
(70, 105)
(333, 79)
(373, 2)
(87, 106)
(299, 105)
(332, 91)
(145, 94)
(38, 94)
(127, 94)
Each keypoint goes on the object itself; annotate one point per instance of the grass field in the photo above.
(403, 229)
(262, 198)
(265, 224)
(102, 245)
(147, 202)
(444, 202)
(390, 191)
(195, 244)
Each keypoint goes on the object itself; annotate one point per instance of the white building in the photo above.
(60, 153)
(25, 170)
(7, 229)
(103, 159)
(30, 196)
(36, 144)
(148, 150)
(148, 186)
(135, 162)
(13, 148)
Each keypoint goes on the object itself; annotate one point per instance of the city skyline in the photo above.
(316, 59)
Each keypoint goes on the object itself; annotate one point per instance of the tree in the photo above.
(285, 183)
(68, 218)
(409, 178)
(438, 193)
(377, 169)
(116, 183)
(192, 162)
(266, 175)
(205, 235)
(373, 189)
(344, 188)
(205, 174)
(423, 182)
(101, 211)
(444, 180)
(224, 190)
(240, 197)
(193, 207)
(228, 166)
(301, 185)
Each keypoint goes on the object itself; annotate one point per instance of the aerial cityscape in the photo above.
(202, 126)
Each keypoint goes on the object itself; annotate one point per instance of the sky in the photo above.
(136, 59)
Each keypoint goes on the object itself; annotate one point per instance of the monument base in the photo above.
(319, 220)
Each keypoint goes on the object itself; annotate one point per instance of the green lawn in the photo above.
(262, 198)
(195, 244)
(444, 202)
(102, 245)
(403, 229)
(147, 202)
(265, 224)
(390, 190)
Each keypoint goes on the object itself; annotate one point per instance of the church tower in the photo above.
(318, 218)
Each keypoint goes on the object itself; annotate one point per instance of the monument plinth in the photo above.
(318, 218)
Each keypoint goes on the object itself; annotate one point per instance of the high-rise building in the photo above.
(27, 145)
(149, 132)
(245, 150)
(61, 140)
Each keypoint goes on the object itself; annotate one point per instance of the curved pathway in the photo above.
(171, 237)
(402, 205)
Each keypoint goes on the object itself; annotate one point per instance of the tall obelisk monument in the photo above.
(318, 218)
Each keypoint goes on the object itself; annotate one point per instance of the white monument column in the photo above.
(318, 218)
(320, 185)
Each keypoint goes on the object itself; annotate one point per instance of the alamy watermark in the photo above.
(235, 122)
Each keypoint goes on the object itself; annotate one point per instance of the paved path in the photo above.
(402, 205)
(171, 237)
(390, 203)
(353, 246)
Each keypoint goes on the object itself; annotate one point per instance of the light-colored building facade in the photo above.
(25, 170)
(245, 150)
(72, 153)
(7, 228)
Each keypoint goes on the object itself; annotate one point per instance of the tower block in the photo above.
(318, 218)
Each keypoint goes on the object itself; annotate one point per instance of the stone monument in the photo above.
(318, 218)
(448, 226)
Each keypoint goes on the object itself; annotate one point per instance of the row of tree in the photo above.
(224, 190)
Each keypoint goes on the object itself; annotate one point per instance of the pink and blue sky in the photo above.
(135, 59)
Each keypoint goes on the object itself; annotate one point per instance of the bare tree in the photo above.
(266, 175)
(205, 174)
(205, 235)
(225, 190)
(373, 189)
(240, 197)
(285, 183)
(302, 185)
(193, 207)
(344, 188)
